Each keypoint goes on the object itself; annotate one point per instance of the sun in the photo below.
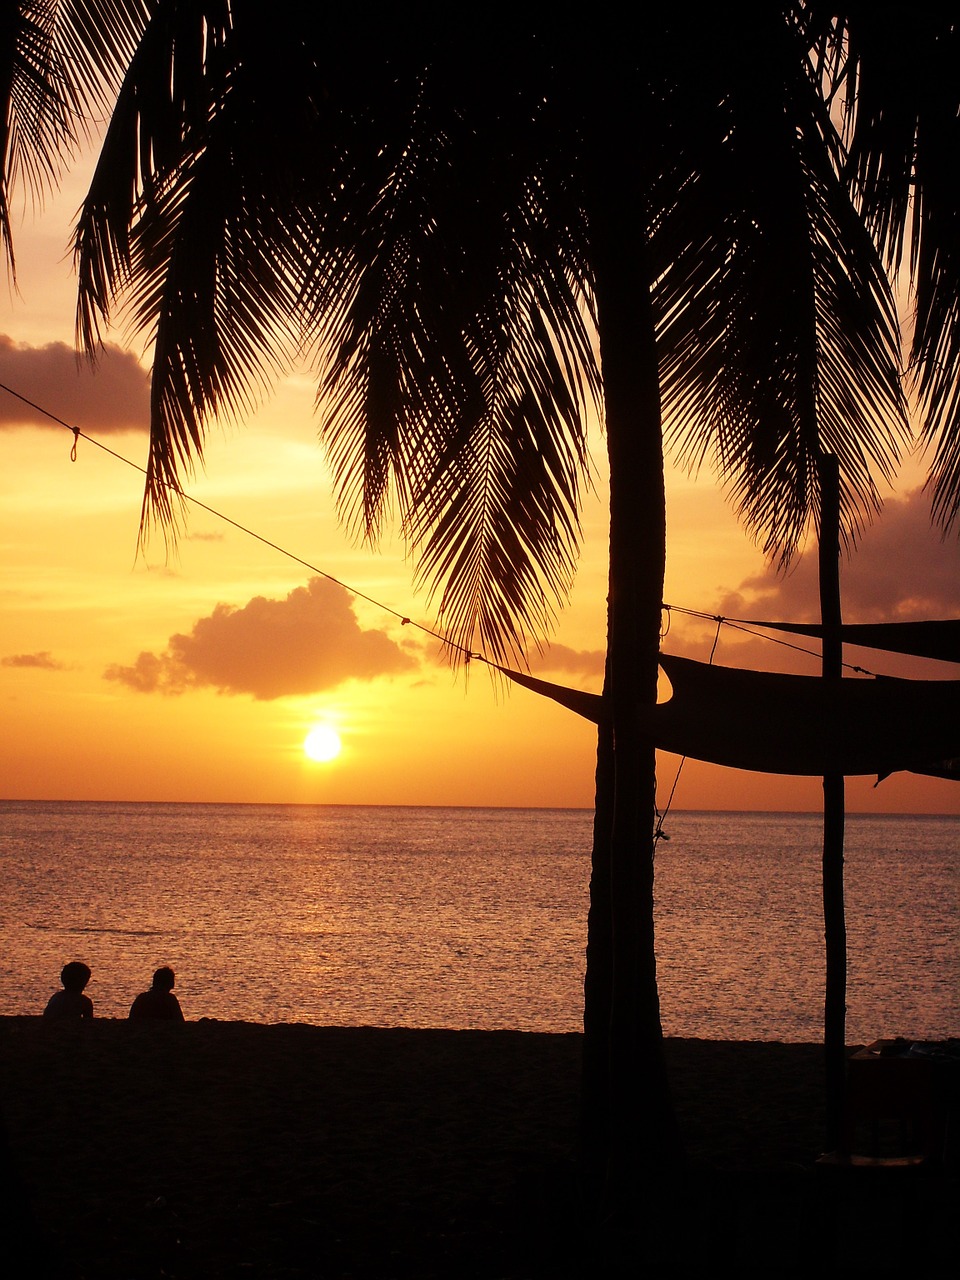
(322, 743)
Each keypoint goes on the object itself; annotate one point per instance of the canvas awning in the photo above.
(773, 723)
(938, 639)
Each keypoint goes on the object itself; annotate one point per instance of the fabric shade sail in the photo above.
(933, 639)
(773, 723)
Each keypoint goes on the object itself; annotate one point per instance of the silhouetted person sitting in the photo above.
(159, 1002)
(71, 1002)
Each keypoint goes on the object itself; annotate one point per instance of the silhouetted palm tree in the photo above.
(479, 225)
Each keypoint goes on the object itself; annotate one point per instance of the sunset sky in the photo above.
(197, 676)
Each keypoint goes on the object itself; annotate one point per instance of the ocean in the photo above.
(471, 918)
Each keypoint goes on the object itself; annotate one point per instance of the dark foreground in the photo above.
(233, 1150)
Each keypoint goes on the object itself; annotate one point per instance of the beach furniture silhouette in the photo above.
(878, 1188)
(897, 1106)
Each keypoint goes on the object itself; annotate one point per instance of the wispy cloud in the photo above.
(110, 396)
(561, 658)
(305, 643)
(44, 661)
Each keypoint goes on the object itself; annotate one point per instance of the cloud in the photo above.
(560, 658)
(903, 570)
(270, 649)
(37, 661)
(112, 395)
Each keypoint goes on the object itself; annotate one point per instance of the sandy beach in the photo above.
(233, 1149)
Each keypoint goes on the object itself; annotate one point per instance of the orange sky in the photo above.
(126, 676)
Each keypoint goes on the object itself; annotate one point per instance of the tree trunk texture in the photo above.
(631, 1138)
(834, 918)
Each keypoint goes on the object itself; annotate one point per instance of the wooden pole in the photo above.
(834, 920)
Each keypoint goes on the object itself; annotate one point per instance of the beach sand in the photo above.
(238, 1150)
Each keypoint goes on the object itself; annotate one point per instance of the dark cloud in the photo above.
(902, 570)
(37, 661)
(271, 649)
(112, 395)
(560, 658)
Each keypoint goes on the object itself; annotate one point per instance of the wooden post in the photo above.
(834, 921)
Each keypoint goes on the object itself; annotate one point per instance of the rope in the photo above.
(658, 831)
(404, 620)
(758, 635)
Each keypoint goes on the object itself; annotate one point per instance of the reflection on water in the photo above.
(469, 917)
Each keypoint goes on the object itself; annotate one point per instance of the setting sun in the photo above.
(322, 743)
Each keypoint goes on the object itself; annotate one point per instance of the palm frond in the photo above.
(193, 217)
(777, 324)
(460, 371)
(157, 125)
(59, 64)
(902, 85)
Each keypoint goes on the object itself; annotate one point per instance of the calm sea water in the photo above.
(470, 918)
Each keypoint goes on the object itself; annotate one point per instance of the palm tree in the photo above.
(477, 226)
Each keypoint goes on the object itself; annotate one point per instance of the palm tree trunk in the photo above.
(598, 978)
(834, 921)
(629, 1122)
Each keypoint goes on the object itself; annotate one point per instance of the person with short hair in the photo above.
(159, 1002)
(71, 1002)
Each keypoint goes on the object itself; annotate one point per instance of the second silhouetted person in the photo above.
(159, 1002)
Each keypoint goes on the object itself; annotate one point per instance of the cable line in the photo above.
(734, 625)
(404, 619)
(251, 533)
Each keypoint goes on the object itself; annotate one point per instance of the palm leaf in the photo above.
(58, 66)
(461, 368)
(778, 324)
(902, 89)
